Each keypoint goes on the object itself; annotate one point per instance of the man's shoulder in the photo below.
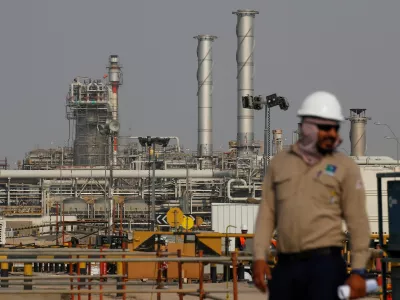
(347, 162)
(281, 157)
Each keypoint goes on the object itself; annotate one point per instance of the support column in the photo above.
(28, 272)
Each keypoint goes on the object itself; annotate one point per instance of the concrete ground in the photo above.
(246, 291)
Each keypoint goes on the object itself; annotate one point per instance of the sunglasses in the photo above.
(328, 127)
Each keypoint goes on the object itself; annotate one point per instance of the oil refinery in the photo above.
(143, 187)
(131, 181)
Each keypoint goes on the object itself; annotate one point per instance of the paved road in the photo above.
(246, 291)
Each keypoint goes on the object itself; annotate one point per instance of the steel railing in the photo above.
(120, 258)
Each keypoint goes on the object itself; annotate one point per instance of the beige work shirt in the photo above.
(307, 206)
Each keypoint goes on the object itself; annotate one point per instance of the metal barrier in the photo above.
(30, 257)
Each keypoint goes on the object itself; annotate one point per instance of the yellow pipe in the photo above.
(4, 265)
(28, 269)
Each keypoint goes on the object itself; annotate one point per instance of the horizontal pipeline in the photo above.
(176, 173)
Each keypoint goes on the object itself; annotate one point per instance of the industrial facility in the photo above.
(112, 207)
(128, 182)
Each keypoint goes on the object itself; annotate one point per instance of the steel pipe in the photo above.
(98, 173)
(245, 186)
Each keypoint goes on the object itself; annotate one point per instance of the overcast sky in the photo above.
(350, 48)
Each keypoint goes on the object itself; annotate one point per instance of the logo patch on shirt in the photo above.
(330, 169)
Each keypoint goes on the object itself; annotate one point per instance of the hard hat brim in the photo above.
(302, 114)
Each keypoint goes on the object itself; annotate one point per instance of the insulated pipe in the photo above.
(204, 94)
(228, 192)
(65, 173)
(245, 76)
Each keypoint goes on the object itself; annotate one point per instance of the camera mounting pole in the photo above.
(257, 103)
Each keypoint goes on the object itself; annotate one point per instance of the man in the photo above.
(241, 241)
(307, 192)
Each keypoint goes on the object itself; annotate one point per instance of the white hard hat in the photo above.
(323, 105)
(244, 227)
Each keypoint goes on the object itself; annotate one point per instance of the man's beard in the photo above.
(326, 151)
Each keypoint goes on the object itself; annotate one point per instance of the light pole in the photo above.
(256, 103)
(394, 137)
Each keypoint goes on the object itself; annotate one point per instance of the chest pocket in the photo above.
(327, 190)
(284, 185)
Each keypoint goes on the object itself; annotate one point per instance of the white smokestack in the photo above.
(245, 76)
(204, 94)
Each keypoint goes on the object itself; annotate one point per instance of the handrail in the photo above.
(83, 284)
(139, 259)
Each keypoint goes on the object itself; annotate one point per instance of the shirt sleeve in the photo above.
(356, 217)
(265, 221)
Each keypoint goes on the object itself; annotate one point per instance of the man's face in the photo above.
(327, 137)
(244, 231)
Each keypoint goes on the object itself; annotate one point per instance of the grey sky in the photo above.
(346, 47)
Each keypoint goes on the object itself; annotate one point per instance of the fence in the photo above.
(82, 260)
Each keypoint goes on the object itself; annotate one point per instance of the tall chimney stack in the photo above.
(245, 76)
(358, 137)
(204, 95)
(115, 80)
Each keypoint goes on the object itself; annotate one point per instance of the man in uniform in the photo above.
(241, 241)
(307, 192)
